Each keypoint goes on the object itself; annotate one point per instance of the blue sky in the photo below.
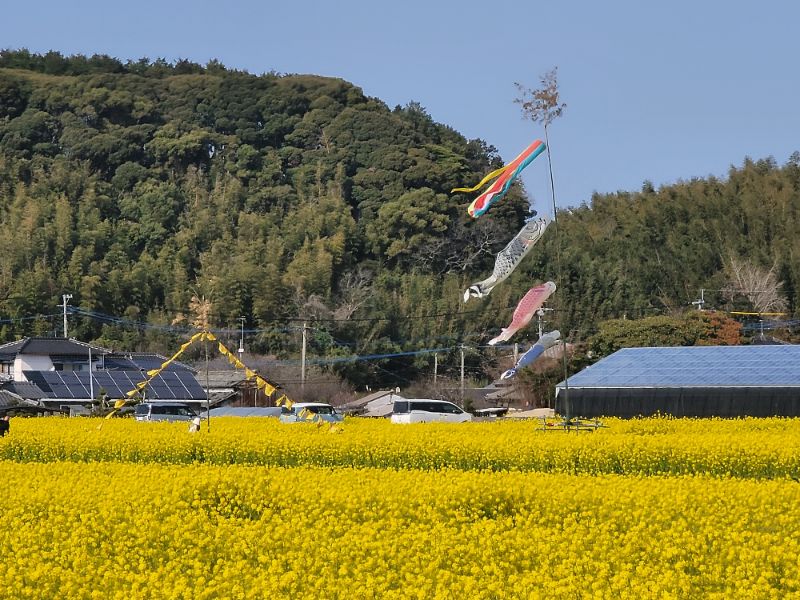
(654, 91)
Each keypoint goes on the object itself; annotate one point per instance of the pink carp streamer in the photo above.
(505, 177)
(527, 307)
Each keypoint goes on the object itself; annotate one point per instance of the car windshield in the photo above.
(321, 410)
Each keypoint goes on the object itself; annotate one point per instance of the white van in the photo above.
(428, 411)
(163, 411)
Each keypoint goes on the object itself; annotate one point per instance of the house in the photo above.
(47, 354)
(377, 404)
(60, 374)
(14, 404)
(231, 388)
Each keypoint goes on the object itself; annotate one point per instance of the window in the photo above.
(70, 367)
(400, 408)
(431, 407)
(170, 410)
(451, 409)
(6, 368)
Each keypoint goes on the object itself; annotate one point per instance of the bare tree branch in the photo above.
(541, 105)
(759, 285)
(354, 291)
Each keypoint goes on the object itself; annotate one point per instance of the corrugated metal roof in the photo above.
(8, 399)
(364, 400)
(25, 389)
(694, 366)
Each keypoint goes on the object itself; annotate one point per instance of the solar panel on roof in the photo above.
(37, 379)
(179, 385)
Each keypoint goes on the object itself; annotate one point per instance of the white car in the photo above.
(428, 411)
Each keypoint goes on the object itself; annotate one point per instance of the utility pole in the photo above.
(91, 383)
(303, 364)
(435, 367)
(208, 389)
(699, 303)
(64, 299)
(241, 339)
(462, 371)
(540, 314)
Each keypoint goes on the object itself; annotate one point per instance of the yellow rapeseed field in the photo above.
(651, 508)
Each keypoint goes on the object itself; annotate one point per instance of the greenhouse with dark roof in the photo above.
(687, 381)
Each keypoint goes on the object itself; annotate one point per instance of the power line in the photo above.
(29, 318)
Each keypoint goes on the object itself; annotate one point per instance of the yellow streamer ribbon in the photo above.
(489, 177)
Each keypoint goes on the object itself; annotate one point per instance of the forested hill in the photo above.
(134, 186)
(651, 252)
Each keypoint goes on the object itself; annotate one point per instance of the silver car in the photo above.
(163, 411)
(314, 411)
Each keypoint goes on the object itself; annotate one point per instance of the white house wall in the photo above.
(31, 362)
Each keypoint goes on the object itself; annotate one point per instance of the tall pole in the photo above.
(91, 383)
(462, 371)
(64, 299)
(208, 389)
(303, 364)
(435, 367)
(560, 276)
(241, 339)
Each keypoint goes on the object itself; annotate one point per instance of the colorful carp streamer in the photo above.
(527, 307)
(509, 257)
(505, 177)
(548, 340)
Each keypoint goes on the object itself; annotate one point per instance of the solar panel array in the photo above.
(694, 366)
(143, 362)
(178, 385)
